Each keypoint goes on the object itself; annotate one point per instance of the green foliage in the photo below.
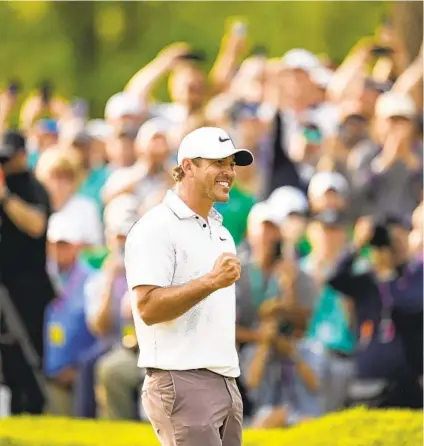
(91, 49)
(359, 427)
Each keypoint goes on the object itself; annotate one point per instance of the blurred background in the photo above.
(90, 49)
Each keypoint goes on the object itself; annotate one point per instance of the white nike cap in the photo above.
(212, 143)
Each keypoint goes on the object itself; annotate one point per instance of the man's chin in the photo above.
(222, 198)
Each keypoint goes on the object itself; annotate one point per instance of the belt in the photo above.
(151, 370)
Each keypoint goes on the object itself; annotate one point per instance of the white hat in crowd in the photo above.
(62, 229)
(321, 76)
(121, 214)
(212, 143)
(300, 59)
(261, 213)
(99, 129)
(123, 104)
(287, 200)
(323, 182)
(395, 104)
(148, 130)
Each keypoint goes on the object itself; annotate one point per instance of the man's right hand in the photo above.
(226, 270)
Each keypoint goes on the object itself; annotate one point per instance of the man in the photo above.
(24, 211)
(66, 334)
(181, 266)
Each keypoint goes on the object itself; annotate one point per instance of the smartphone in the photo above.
(195, 56)
(46, 91)
(239, 28)
(14, 87)
(278, 251)
(259, 50)
(312, 134)
(381, 51)
(79, 108)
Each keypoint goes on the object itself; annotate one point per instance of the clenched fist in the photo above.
(226, 270)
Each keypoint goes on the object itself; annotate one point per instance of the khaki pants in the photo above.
(193, 408)
(116, 378)
(59, 400)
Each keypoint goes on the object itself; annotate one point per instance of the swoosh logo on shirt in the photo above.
(222, 239)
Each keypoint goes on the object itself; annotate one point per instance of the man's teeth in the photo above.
(224, 183)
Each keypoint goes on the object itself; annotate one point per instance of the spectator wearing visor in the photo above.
(24, 212)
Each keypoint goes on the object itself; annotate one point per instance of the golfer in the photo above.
(181, 266)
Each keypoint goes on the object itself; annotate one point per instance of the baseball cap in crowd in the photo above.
(323, 182)
(285, 201)
(300, 59)
(321, 76)
(11, 143)
(123, 104)
(99, 129)
(48, 126)
(260, 213)
(148, 130)
(62, 229)
(393, 104)
(120, 214)
(242, 110)
(330, 217)
(212, 143)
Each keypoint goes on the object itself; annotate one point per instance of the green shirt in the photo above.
(235, 212)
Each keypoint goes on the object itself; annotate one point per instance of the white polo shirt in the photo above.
(169, 246)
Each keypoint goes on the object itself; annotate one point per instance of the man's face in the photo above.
(214, 178)
(61, 184)
(120, 151)
(395, 124)
(63, 253)
(297, 83)
(157, 150)
(262, 237)
(329, 200)
(325, 237)
(382, 257)
(189, 87)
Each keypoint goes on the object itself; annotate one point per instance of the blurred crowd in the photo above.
(328, 225)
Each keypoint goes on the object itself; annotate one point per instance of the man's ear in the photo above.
(187, 166)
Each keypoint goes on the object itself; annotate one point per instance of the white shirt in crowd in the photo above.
(83, 213)
(169, 246)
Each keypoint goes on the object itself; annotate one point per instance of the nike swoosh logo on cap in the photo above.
(221, 139)
(222, 239)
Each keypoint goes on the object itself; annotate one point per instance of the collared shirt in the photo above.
(170, 246)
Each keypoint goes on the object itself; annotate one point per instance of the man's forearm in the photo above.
(25, 216)
(166, 304)
(100, 325)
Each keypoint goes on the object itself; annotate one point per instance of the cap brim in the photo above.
(243, 157)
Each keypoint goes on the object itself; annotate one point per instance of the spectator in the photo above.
(149, 177)
(43, 136)
(61, 172)
(24, 212)
(384, 378)
(124, 109)
(67, 336)
(104, 293)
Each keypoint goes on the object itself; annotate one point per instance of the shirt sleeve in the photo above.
(149, 255)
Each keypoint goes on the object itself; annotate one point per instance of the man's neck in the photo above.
(194, 201)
